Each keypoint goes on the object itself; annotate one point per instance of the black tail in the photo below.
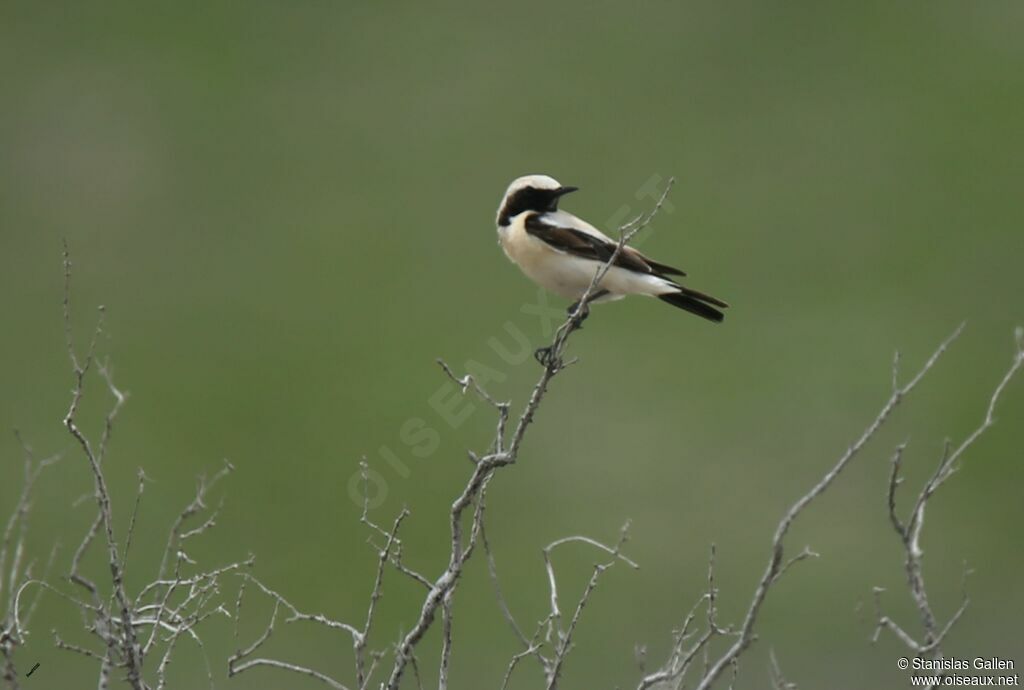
(696, 303)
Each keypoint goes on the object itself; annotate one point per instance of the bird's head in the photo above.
(530, 193)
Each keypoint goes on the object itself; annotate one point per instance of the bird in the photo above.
(562, 253)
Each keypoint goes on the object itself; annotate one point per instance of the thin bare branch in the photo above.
(775, 561)
(779, 681)
(909, 531)
(181, 603)
(565, 637)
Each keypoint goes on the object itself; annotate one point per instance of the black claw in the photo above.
(544, 357)
(584, 307)
(584, 313)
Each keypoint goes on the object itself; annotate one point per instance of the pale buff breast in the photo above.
(566, 275)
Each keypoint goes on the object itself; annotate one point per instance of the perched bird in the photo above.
(562, 253)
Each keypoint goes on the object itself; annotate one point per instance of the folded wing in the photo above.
(592, 245)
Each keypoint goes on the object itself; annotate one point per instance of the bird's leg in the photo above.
(584, 307)
(572, 308)
(544, 355)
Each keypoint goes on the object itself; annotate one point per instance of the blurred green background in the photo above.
(287, 209)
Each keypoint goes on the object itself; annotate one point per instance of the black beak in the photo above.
(562, 191)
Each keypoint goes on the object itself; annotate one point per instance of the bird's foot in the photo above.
(583, 308)
(545, 356)
(584, 312)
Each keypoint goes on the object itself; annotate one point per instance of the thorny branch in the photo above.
(672, 673)
(12, 549)
(562, 638)
(909, 530)
(169, 607)
(691, 639)
(776, 565)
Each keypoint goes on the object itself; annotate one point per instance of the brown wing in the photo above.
(586, 246)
